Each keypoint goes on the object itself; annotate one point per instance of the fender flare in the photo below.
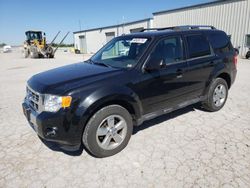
(106, 96)
(218, 70)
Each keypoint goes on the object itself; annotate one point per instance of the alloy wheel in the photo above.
(111, 132)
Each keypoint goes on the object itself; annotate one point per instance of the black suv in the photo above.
(133, 78)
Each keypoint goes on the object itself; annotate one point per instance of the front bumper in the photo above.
(61, 127)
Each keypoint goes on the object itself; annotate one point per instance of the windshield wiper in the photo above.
(98, 63)
(102, 64)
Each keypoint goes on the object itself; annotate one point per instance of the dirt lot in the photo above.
(187, 148)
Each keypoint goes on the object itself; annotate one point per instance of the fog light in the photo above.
(51, 131)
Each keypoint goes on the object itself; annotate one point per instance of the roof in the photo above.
(32, 31)
(168, 32)
(117, 25)
(149, 33)
(195, 6)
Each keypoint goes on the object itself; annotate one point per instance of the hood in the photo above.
(58, 80)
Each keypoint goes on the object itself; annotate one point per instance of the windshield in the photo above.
(34, 35)
(121, 52)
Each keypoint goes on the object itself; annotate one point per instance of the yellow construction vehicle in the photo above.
(35, 45)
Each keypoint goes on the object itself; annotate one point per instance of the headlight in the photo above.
(53, 103)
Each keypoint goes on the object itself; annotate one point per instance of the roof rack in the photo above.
(183, 27)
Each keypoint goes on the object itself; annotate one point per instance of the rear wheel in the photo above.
(108, 131)
(50, 52)
(216, 96)
(248, 55)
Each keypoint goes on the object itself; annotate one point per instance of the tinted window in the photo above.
(198, 46)
(220, 42)
(169, 50)
(248, 40)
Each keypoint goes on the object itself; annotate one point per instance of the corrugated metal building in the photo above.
(91, 40)
(231, 16)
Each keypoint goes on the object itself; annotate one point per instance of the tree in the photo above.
(2, 44)
(62, 45)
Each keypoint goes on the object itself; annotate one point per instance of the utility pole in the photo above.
(123, 23)
(80, 25)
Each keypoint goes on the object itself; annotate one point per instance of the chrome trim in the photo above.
(174, 63)
(38, 102)
(158, 113)
(200, 57)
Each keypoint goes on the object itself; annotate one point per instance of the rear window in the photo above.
(220, 42)
(198, 46)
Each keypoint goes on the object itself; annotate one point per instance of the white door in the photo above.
(109, 36)
(83, 44)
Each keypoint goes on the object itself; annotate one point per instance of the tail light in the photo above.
(235, 61)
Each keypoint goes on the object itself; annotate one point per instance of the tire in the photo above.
(237, 51)
(216, 96)
(50, 56)
(248, 55)
(34, 52)
(77, 51)
(25, 53)
(50, 52)
(100, 136)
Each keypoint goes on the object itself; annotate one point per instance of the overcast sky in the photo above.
(17, 16)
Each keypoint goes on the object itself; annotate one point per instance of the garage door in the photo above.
(136, 30)
(83, 44)
(109, 36)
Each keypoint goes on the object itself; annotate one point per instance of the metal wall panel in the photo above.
(96, 38)
(231, 16)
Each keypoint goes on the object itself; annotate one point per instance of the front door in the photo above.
(165, 87)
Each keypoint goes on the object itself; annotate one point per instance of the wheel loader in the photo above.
(36, 46)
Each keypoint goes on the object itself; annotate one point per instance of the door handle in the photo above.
(211, 63)
(179, 73)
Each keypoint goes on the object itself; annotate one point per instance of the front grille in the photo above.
(33, 99)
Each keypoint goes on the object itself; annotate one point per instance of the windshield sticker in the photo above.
(139, 40)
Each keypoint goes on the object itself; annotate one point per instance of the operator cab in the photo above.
(33, 35)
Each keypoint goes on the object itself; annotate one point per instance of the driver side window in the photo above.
(168, 51)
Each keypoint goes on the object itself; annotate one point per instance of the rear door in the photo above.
(200, 59)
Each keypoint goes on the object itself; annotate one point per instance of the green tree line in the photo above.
(62, 45)
(2, 44)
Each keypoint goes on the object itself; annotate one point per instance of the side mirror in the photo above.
(44, 34)
(153, 64)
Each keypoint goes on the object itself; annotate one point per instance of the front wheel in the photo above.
(108, 131)
(217, 95)
(25, 53)
(34, 52)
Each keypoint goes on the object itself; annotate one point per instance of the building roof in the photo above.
(112, 26)
(195, 6)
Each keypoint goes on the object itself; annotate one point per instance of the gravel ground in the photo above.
(187, 148)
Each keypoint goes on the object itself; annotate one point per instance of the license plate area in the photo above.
(27, 112)
(30, 117)
(33, 123)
